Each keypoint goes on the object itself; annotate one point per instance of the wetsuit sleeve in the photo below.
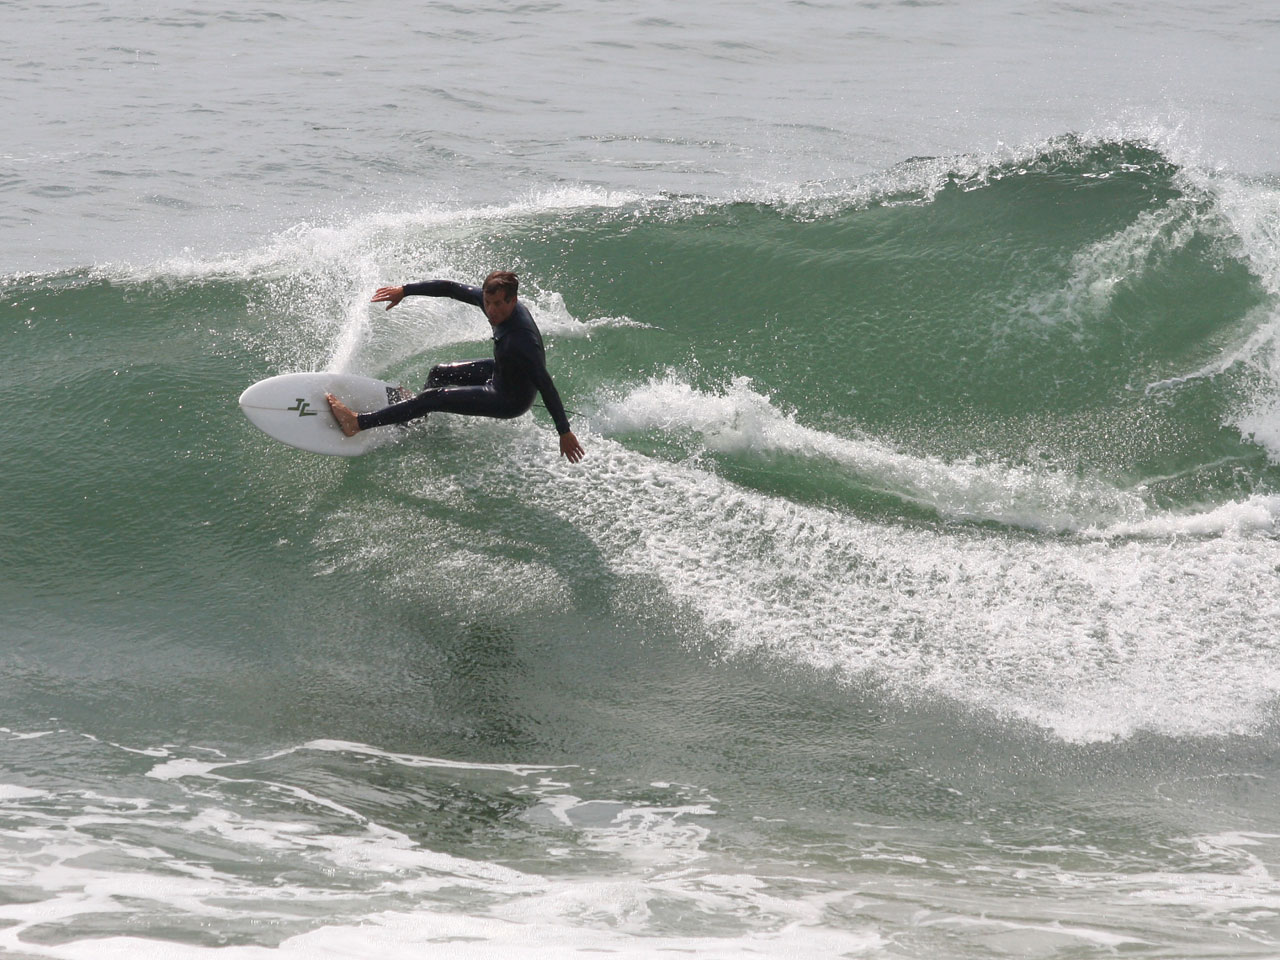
(446, 288)
(537, 368)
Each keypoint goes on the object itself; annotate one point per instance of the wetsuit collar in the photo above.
(519, 317)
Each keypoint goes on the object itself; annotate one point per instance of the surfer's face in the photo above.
(497, 307)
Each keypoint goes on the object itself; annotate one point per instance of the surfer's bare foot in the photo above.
(344, 415)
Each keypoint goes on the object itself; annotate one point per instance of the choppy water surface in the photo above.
(918, 595)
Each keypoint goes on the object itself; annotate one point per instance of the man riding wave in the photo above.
(503, 387)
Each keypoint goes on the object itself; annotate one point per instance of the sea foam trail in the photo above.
(739, 419)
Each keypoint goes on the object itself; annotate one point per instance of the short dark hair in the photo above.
(502, 280)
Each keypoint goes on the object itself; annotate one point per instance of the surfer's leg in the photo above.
(485, 401)
(473, 374)
(481, 401)
(416, 406)
(464, 373)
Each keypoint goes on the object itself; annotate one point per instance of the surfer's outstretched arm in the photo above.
(430, 288)
(388, 295)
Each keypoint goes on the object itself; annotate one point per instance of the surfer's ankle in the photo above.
(348, 422)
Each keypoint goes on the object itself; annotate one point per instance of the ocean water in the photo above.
(919, 595)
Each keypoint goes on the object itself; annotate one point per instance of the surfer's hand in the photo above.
(571, 448)
(388, 295)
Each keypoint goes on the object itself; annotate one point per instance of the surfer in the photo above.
(503, 387)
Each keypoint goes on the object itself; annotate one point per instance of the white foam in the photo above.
(385, 232)
(10, 791)
(920, 180)
(1240, 882)
(241, 849)
(378, 849)
(647, 837)
(311, 285)
(183, 767)
(1091, 637)
(393, 935)
(1255, 514)
(1250, 211)
(1066, 935)
(410, 936)
(1258, 418)
(240, 859)
(30, 735)
(1098, 270)
(740, 419)
(410, 760)
(1263, 325)
(1261, 424)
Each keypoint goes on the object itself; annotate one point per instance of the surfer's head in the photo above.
(500, 295)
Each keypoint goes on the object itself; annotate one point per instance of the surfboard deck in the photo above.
(292, 408)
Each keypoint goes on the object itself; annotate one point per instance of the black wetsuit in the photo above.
(503, 387)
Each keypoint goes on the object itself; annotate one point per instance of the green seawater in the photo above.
(917, 595)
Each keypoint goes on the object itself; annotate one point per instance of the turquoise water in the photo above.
(917, 596)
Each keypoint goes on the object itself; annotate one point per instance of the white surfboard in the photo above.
(292, 409)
